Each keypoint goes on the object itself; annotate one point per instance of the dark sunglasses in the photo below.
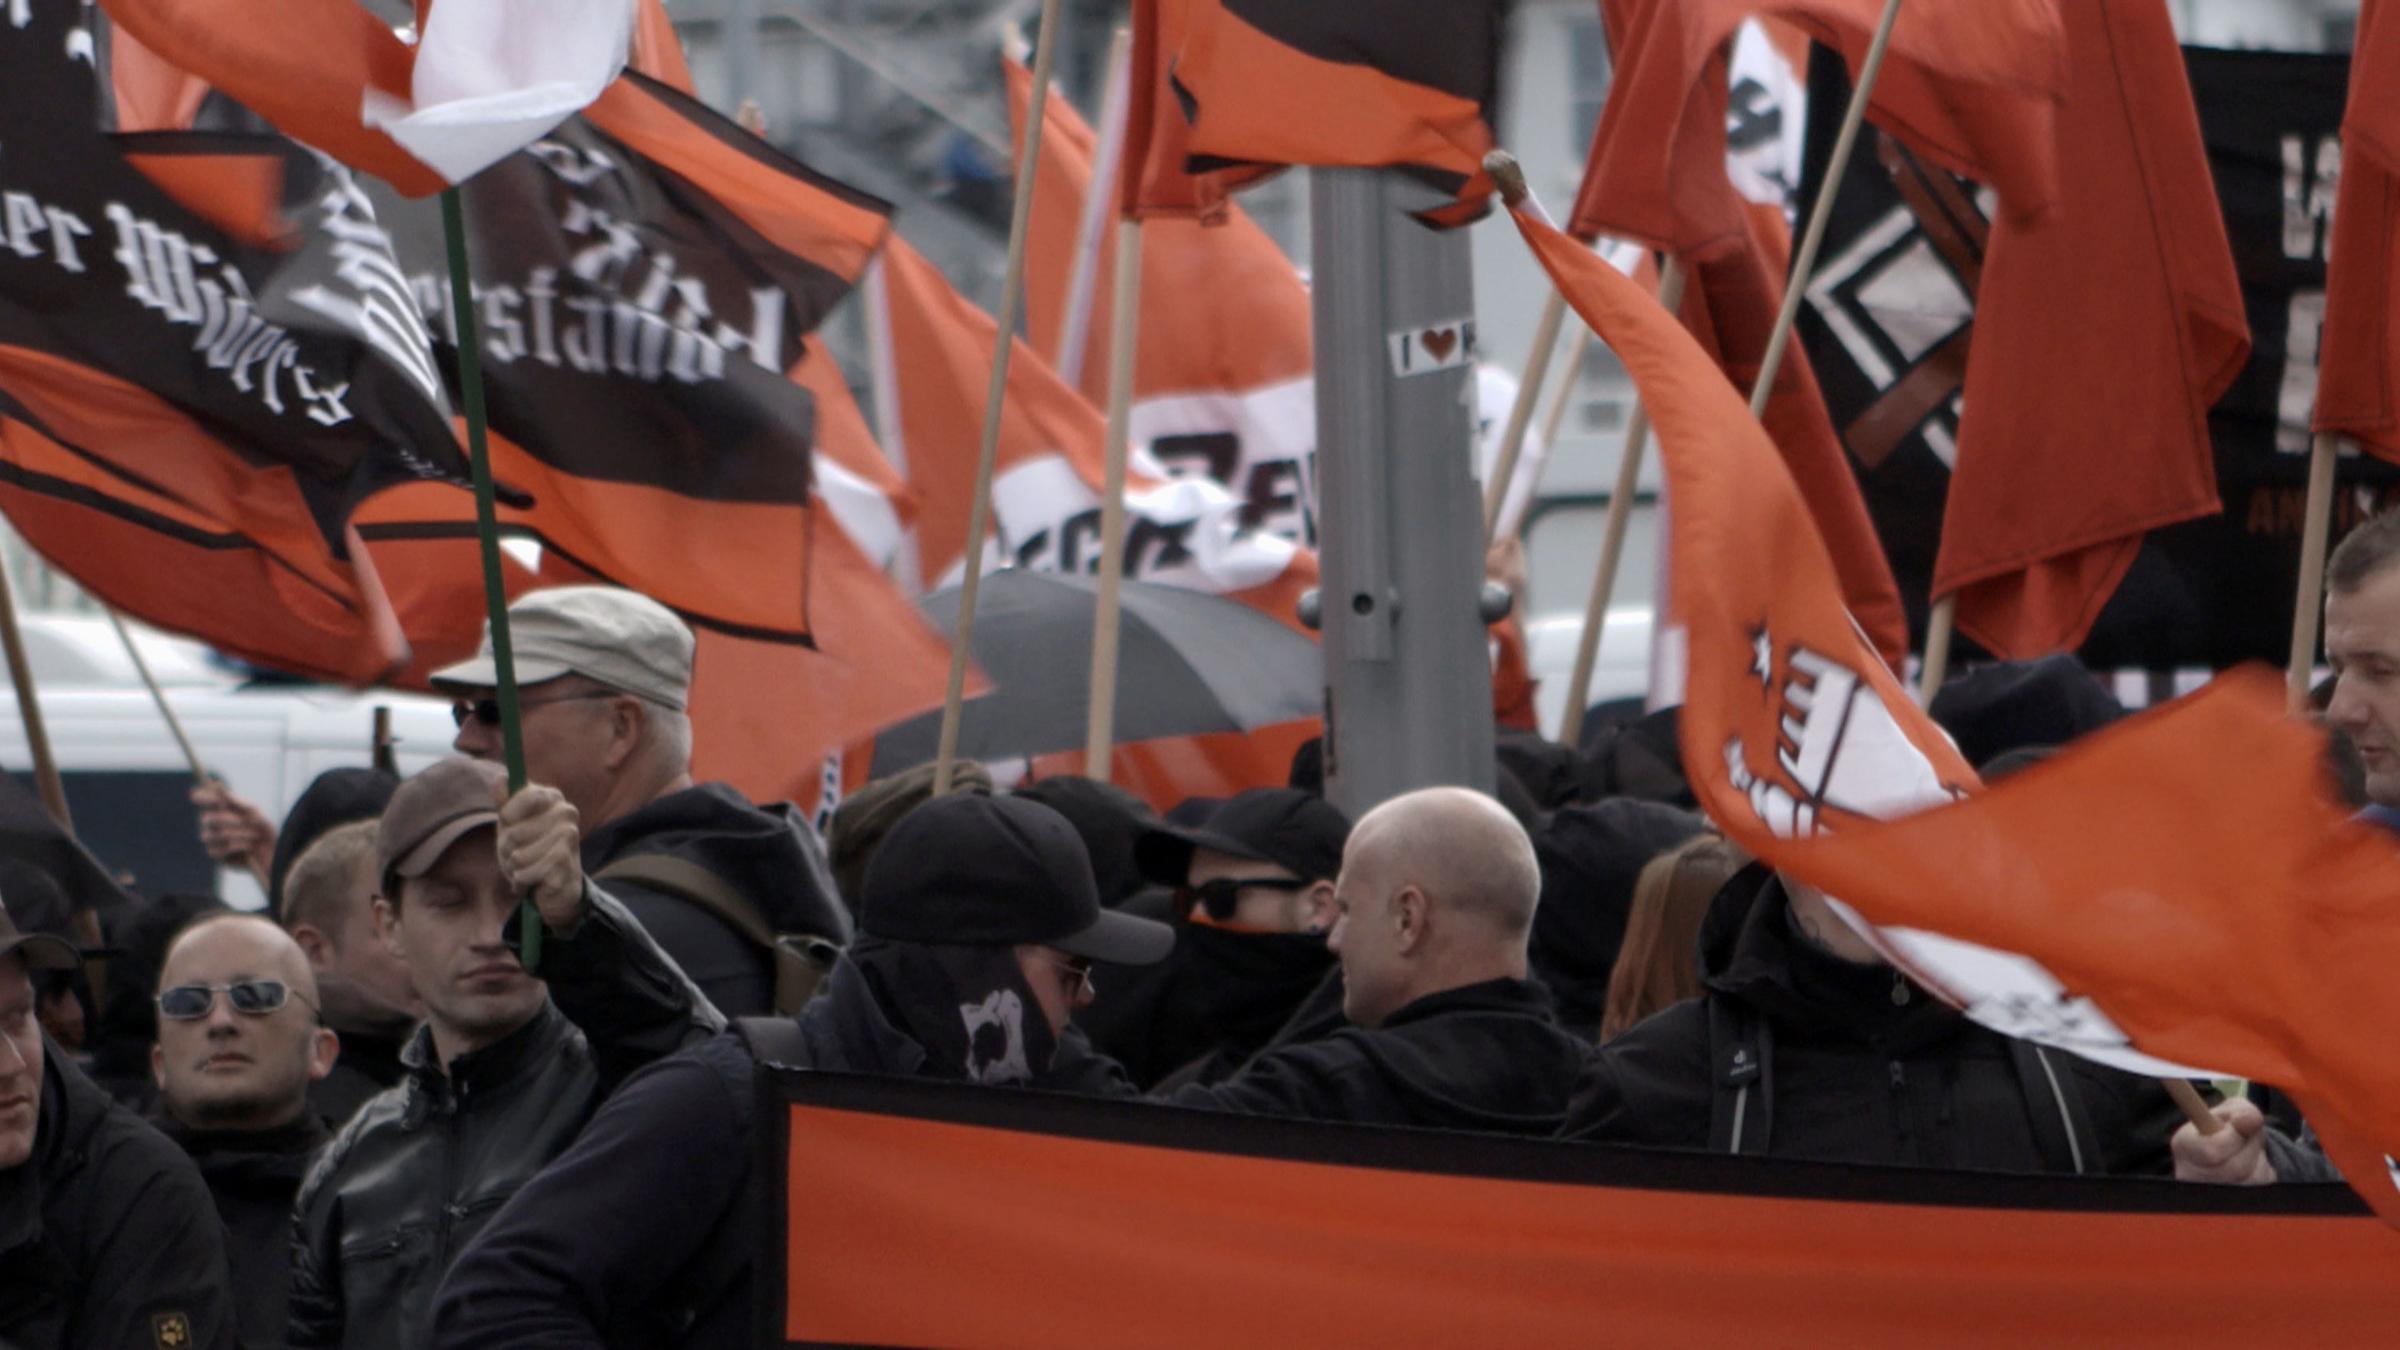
(256, 998)
(1219, 897)
(487, 710)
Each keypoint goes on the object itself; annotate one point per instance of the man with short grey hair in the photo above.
(1435, 904)
(604, 681)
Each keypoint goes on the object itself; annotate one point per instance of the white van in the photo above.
(127, 781)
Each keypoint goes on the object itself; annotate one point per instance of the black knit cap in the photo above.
(973, 870)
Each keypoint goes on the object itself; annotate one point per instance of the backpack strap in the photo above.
(1741, 1111)
(2062, 1128)
(773, 1040)
(799, 961)
(687, 880)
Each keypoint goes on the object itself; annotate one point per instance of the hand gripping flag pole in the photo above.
(487, 534)
(1012, 304)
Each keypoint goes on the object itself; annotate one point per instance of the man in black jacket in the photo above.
(979, 924)
(606, 678)
(1806, 1045)
(367, 1000)
(240, 1043)
(1251, 894)
(505, 1071)
(1436, 899)
(106, 1235)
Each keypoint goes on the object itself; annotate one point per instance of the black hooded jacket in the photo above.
(107, 1238)
(1795, 1053)
(767, 855)
(1485, 1057)
(1591, 857)
(254, 1178)
(560, 1266)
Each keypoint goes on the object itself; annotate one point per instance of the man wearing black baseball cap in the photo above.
(1251, 893)
(107, 1235)
(978, 927)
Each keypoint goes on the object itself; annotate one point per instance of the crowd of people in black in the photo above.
(356, 1120)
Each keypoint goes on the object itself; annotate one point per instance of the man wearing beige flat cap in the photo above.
(604, 678)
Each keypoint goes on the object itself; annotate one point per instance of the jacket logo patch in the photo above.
(171, 1330)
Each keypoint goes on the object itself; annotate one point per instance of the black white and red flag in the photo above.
(644, 282)
(193, 460)
(1892, 313)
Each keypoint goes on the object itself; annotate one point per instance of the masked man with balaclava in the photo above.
(978, 928)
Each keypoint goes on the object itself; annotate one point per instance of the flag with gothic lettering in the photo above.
(186, 455)
(644, 278)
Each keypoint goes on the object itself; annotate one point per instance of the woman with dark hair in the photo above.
(1659, 964)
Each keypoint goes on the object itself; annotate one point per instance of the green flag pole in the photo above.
(487, 534)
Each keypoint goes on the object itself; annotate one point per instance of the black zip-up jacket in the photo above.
(1795, 1053)
(1487, 1057)
(767, 855)
(254, 1177)
(107, 1237)
(1212, 1004)
(562, 1266)
(411, 1180)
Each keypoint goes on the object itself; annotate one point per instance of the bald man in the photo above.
(239, 1043)
(1434, 903)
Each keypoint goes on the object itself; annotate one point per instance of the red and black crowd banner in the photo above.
(909, 1213)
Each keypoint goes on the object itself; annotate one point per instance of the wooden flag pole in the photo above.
(1939, 625)
(1099, 740)
(487, 534)
(1520, 412)
(1569, 371)
(1012, 303)
(1091, 225)
(1612, 537)
(1804, 261)
(2188, 1099)
(166, 711)
(29, 709)
(2308, 607)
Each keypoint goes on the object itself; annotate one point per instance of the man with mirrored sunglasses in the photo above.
(1251, 894)
(240, 1041)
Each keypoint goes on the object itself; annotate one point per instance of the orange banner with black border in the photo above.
(916, 1213)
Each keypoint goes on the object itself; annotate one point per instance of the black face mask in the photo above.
(968, 1006)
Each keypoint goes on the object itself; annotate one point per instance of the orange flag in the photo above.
(2236, 916)
(2358, 361)
(1408, 85)
(476, 83)
(1157, 182)
(2104, 331)
(1679, 198)
(937, 355)
(1223, 380)
(1973, 83)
